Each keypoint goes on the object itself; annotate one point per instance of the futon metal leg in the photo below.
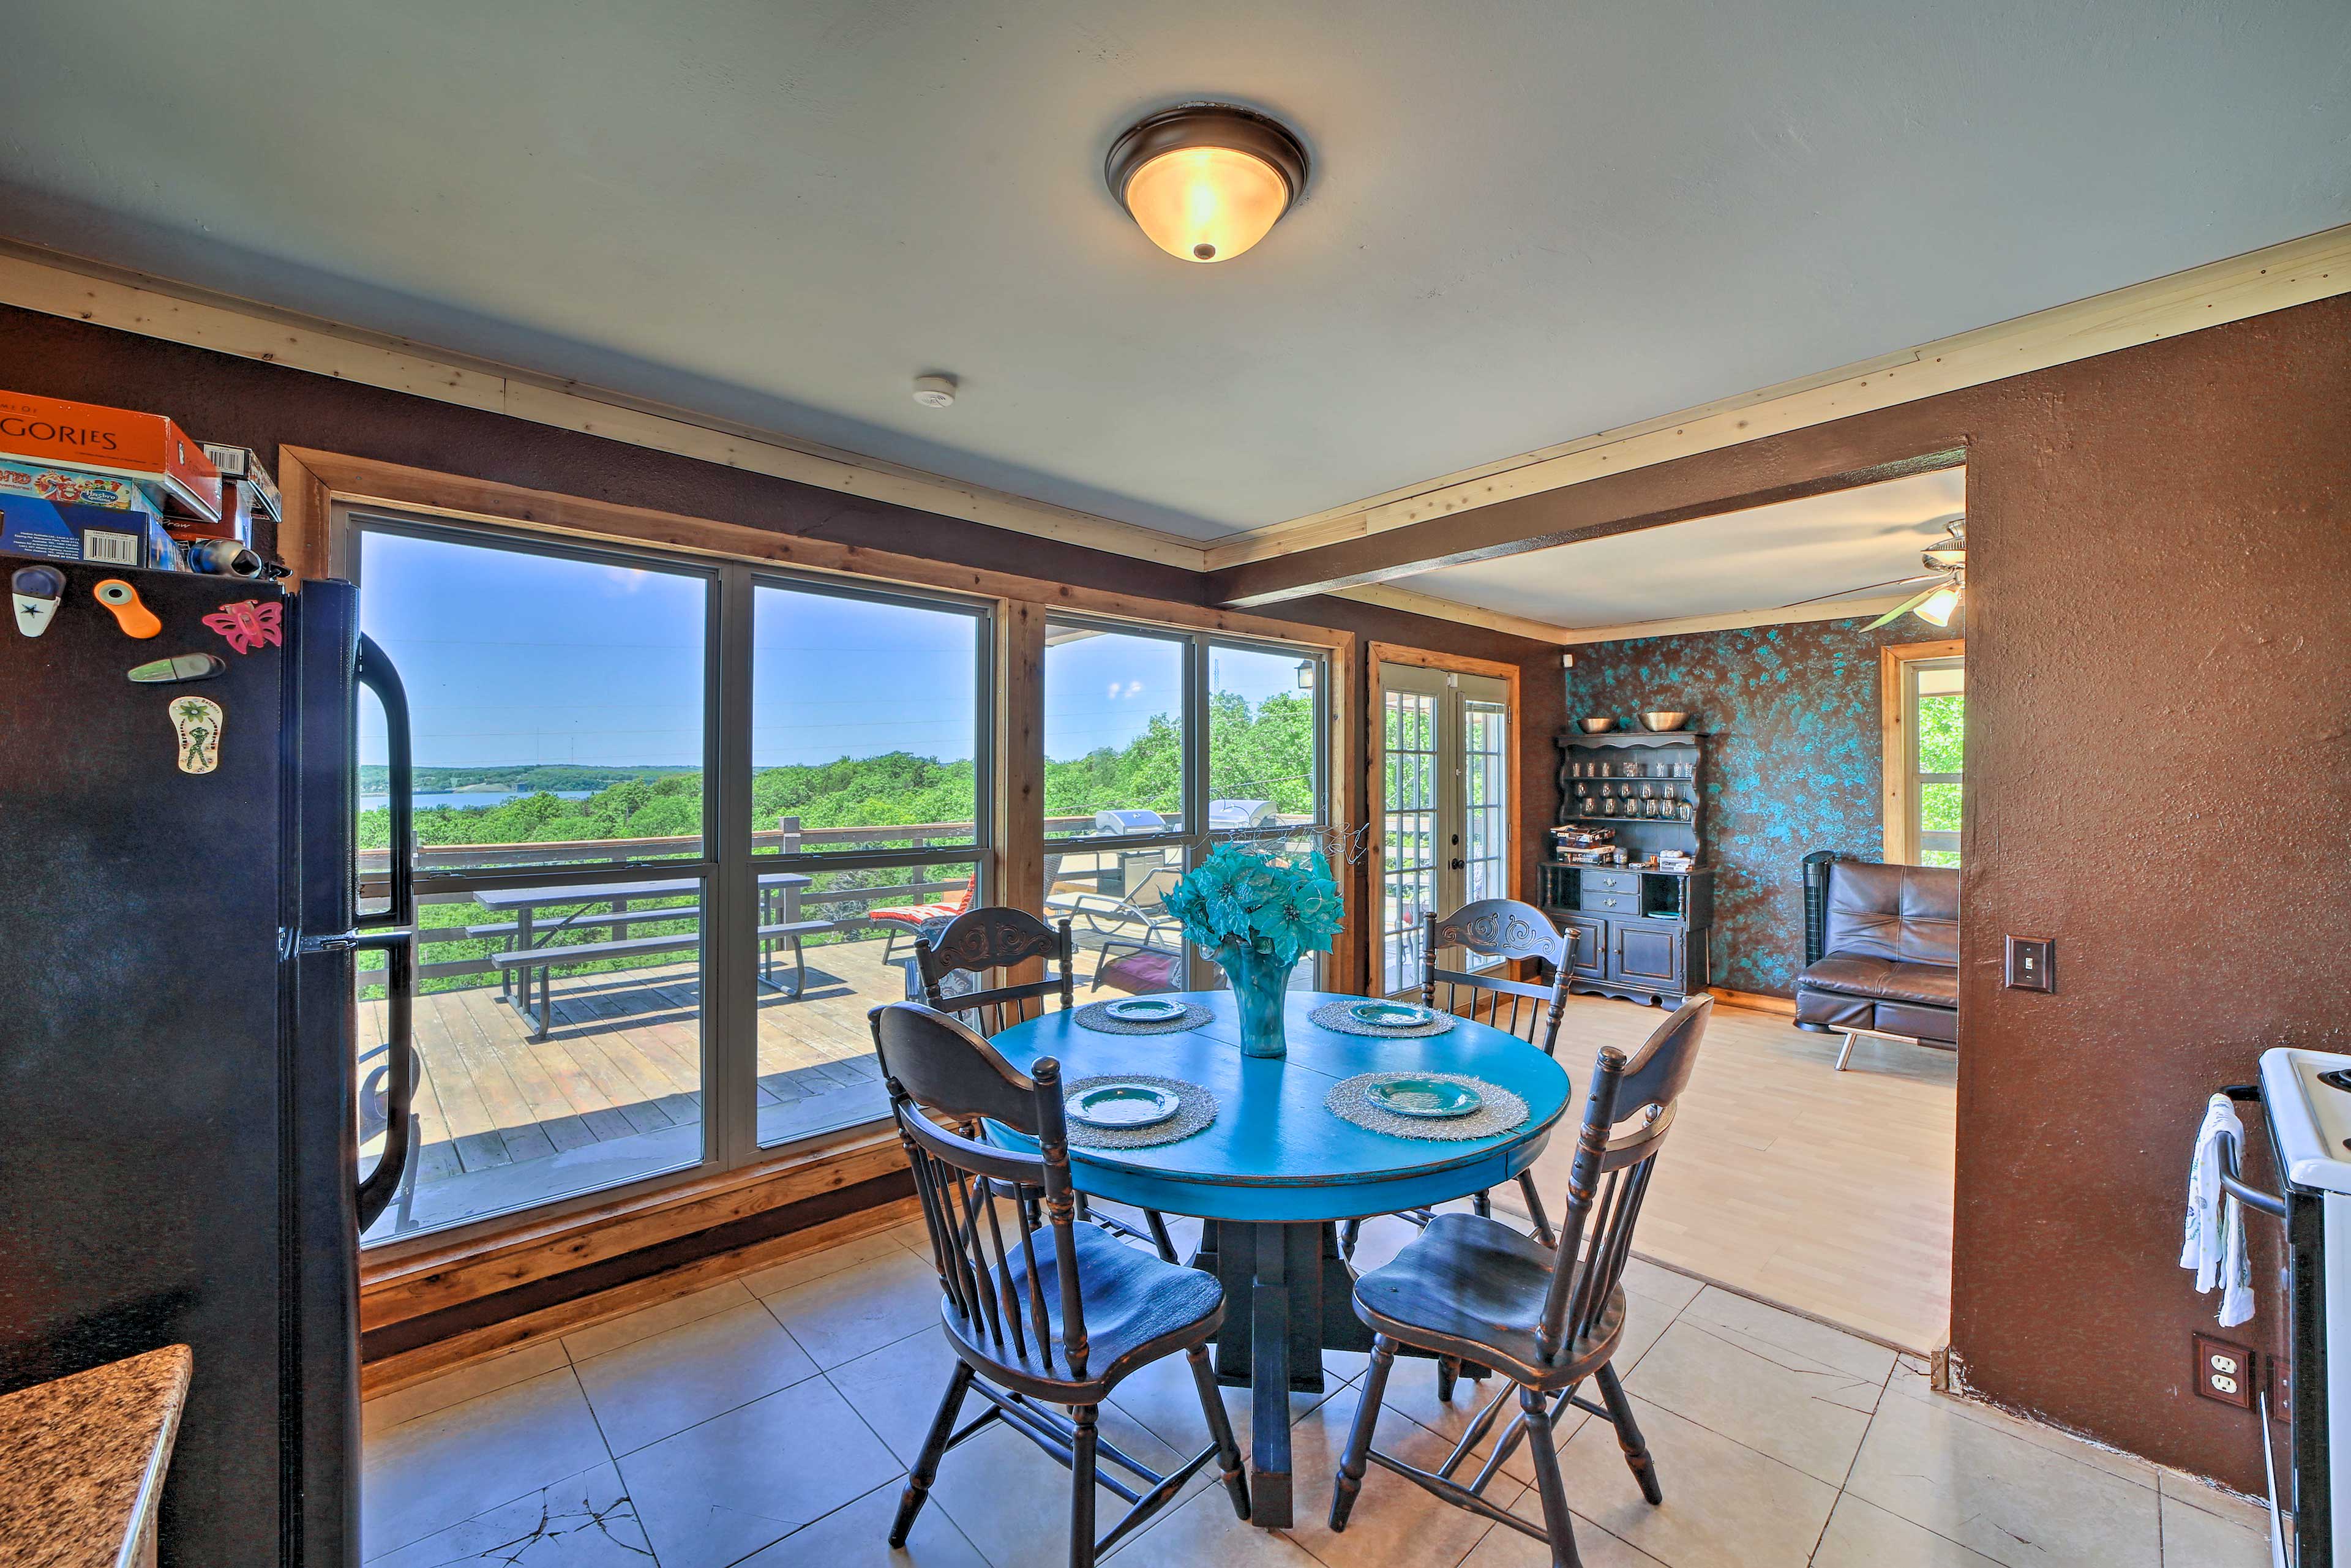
(926, 1463)
(1845, 1052)
(1628, 1435)
(1535, 1209)
(1082, 1483)
(1535, 1410)
(1220, 1430)
(1359, 1438)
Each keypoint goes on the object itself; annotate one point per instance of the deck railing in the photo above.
(842, 908)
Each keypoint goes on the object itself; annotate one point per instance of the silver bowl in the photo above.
(1661, 723)
(1596, 726)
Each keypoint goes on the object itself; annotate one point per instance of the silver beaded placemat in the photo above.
(1092, 1016)
(1195, 1109)
(1334, 1015)
(1500, 1111)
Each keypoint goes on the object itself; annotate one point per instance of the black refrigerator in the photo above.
(179, 1154)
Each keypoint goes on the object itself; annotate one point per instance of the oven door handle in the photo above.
(2232, 1184)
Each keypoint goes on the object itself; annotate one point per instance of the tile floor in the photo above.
(768, 1420)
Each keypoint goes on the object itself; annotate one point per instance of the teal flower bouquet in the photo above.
(1258, 911)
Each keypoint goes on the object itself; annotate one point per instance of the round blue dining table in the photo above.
(1276, 1171)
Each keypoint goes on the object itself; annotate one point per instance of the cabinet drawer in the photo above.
(1612, 882)
(1593, 901)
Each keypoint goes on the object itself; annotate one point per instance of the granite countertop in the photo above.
(82, 1461)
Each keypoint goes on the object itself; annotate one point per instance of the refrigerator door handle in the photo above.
(394, 932)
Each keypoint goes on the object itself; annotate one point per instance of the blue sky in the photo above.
(511, 658)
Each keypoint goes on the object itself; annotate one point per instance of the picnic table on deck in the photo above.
(780, 897)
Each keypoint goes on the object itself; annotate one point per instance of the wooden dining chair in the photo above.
(997, 937)
(1470, 1288)
(1037, 1318)
(1502, 929)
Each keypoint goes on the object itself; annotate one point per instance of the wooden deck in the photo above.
(614, 1091)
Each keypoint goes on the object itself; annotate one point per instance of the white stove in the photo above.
(2306, 1096)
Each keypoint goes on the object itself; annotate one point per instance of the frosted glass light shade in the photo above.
(1207, 204)
(1936, 610)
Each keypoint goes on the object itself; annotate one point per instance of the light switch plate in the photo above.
(2031, 964)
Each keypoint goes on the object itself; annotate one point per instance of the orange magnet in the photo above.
(135, 619)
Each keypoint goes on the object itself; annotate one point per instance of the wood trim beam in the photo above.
(1793, 615)
(2275, 277)
(1833, 457)
(331, 477)
(58, 285)
(1390, 597)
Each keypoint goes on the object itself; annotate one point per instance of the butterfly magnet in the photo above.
(248, 624)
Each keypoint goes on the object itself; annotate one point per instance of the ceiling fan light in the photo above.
(1939, 607)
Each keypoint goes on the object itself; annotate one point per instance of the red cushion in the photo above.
(1140, 972)
(914, 915)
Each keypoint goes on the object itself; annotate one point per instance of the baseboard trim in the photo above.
(1757, 1002)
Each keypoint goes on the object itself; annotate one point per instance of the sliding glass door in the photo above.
(677, 827)
(1445, 806)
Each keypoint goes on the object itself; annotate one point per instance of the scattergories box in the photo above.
(99, 535)
(143, 446)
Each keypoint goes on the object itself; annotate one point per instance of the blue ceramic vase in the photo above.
(1260, 984)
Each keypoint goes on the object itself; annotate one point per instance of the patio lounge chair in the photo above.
(905, 920)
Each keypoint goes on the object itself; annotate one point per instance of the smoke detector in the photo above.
(935, 392)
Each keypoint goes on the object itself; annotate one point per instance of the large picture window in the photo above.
(678, 825)
(1159, 743)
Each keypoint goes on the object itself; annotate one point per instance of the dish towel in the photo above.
(2215, 1246)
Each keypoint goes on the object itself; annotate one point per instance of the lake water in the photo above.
(470, 798)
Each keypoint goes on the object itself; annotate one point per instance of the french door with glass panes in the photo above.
(1445, 802)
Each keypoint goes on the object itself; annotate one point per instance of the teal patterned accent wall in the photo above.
(1796, 759)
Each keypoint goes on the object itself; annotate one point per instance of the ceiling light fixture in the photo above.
(1946, 561)
(1206, 181)
(935, 392)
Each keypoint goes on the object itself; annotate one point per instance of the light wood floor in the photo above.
(1827, 1192)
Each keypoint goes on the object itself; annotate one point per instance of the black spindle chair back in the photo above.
(936, 1066)
(1610, 1177)
(994, 938)
(1549, 1320)
(1013, 1299)
(1505, 930)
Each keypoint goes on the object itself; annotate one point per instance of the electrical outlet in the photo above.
(2031, 964)
(2224, 1372)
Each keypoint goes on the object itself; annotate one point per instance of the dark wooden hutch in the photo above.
(1642, 930)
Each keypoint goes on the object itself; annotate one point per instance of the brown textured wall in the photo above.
(2158, 743)
(2159, 724)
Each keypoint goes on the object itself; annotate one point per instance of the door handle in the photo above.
(394, 932)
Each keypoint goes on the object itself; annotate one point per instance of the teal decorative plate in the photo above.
(1389, 1015)
(1143, 1009)
(1122, 1105)
(1428, 1098)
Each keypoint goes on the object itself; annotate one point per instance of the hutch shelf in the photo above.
(1641, 931)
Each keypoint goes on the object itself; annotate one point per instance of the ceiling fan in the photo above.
(1945, 576)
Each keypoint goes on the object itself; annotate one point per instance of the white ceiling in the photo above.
(1765, 558)
(1529, 219)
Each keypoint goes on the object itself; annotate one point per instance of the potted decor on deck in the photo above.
(1258, 911)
